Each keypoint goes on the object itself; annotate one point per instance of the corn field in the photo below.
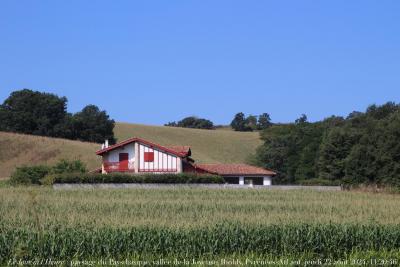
(330, 240)
(40, 223)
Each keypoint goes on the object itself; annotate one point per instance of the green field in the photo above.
(206, 224)
(208, 146)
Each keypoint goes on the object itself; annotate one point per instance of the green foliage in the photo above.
(69, 166)
(264, 121)
(193, 222)
(322, 240)
(239, 123)
(29, 174)
(183, 178)
(48, 179)
(33, 112)
(250, 123)
(334, 150)
(363, 148)
(291, 150)
(92, 125)
(45, 174)
(4, 183)
(192, 122)
(301, 119)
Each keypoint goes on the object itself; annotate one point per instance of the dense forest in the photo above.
(363, 148)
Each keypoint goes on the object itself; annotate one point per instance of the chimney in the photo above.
(106, 143)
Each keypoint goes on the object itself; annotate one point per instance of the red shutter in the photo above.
(148, 156)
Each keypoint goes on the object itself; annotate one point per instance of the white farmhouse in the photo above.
(137, 155)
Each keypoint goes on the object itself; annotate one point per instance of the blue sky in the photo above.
(156, 61)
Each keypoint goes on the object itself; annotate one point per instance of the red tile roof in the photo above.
(180, 153)
(235, 169)
(181, 149)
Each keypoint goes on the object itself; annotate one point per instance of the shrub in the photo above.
(183, 178)
(41, 174)
(48, 179)
(29, 174)
(66, 166)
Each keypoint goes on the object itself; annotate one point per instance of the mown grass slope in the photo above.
(208, 146)
(211, 146)
(21, 149)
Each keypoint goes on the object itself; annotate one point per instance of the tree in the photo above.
(204, 124)
(239, 123)
(192, 122)
(188, 122)
(302, 119)
(354, 114)
(251, 122)
(264, 121)
(171, 124)
(277, 150)
(363, 148)
(334, 150)
(92, 125)
(383, 111)
(32, 112)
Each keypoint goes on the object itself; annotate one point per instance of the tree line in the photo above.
(362, 148)
(192, 122)
(38, 113)
(250, 123)
(239, 123)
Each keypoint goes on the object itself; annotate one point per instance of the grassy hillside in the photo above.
(21, 149)
(207, 145)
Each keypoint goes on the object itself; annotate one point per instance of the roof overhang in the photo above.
(144, 142)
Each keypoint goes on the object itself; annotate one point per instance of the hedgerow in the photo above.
(29, 174)
(40, 174)
(182, 178)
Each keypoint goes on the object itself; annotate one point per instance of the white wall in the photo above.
(267, 180)
(162, 161)
(113, 155)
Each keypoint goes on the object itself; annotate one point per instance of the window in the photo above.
(148, 156)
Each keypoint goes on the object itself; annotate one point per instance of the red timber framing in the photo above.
(164, 159)
(155, 160)
(117, 167)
